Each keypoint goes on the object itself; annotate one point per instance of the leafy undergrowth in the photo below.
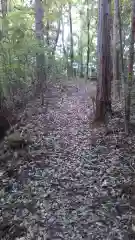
(70, 182)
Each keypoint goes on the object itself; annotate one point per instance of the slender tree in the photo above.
(116, 80)
(40, 59)
(63, 46)
(80, 47)
(71, 38)
(57, 37)
(88, 39)
(47, 33)
(123, 78)
(130, 65)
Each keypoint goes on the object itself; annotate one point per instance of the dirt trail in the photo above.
(65, 188)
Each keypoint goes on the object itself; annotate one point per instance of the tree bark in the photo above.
(116, 80)
(103, 98)
(88, 39)
(64, 48)
(80, 47)
(122, 67)
(4, 8)
(40, 59)
(57, 37)
(130, 65)
(81, 63)
(71, 39)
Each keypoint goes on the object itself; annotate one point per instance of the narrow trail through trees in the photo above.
(63, 187)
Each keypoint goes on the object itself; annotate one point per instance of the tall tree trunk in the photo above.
(81, 62)
(116, 80)
(71, 39)
(80, 53)
(47, 33)
(88, 39)
(118, 69)
(122, 67)
(3, 32)
(64, 49)
(48, 46)
(51, 57)
(80, 47)
(57, 37)
(40, 59)
(130, 65)
(103, 99)
(4, 8)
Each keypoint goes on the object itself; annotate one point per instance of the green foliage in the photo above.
(19, 47)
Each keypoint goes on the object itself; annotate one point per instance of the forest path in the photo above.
(63, 188)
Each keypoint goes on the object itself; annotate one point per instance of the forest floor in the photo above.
(71, 182)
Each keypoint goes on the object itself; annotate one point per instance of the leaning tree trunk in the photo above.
(40, 59)
(103, 99)
(130, 65)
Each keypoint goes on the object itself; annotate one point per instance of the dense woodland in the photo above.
(67, 120)
(42, 40)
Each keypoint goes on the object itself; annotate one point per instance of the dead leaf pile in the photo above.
(71, 182)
